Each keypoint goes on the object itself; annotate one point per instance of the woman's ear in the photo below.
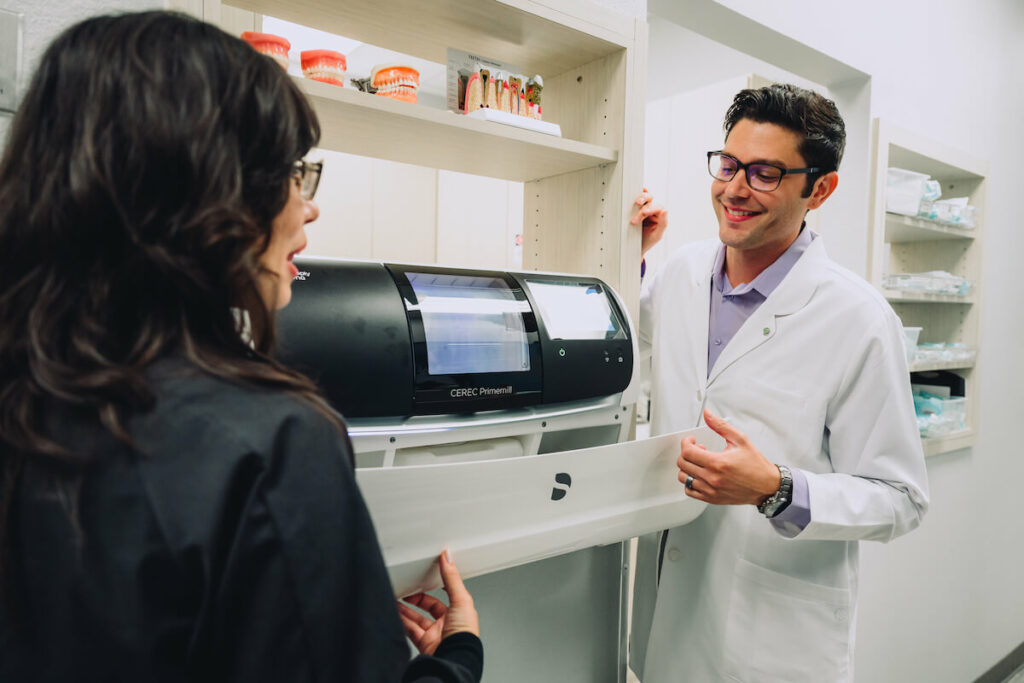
(823, 187)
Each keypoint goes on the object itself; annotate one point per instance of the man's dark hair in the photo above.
(814, 117)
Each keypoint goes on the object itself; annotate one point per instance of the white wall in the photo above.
(44, 20)
(383, 210)
(947, 601)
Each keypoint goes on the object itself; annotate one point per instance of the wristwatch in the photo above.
(778, 501)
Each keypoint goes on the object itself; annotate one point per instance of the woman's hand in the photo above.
(459, 615)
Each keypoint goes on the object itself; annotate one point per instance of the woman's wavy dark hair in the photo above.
(143, 171)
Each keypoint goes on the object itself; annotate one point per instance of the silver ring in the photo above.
(689, 482)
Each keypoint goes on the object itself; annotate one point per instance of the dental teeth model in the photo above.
(270, 45)
(326, 66)
(396, 81)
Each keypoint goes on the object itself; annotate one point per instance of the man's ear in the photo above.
(823, 187)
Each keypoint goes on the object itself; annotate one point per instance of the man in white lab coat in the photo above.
(806, 361)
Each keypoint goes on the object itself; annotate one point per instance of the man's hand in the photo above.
(460, 615)
(654, 219)
(739, 475)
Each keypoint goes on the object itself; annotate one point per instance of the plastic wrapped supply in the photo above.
(270, 45)
(954, 211)
(939, 416)
(944, 353)
(326, 66)
(396, 81)
(910, 337)
(932, 282)
(904, 191)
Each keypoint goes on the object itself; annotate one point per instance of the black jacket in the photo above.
(235, 547)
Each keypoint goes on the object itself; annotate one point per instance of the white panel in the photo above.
(405, 212)
(472, 220)
(502, 513)
(345, 198)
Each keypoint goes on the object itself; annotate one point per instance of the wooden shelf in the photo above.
(533, 36)
(903, 297)
(900, 228)
(950, 442)
(359, 123)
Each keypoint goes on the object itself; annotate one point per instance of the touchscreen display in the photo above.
(576, 310)
(472, 324)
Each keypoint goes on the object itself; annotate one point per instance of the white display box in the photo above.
(904, 191)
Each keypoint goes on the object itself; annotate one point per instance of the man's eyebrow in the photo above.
(773, 162)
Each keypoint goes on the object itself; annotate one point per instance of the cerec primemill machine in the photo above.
(488, 412)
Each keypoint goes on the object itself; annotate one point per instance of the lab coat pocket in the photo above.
(785, 629)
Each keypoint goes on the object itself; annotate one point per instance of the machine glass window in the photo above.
(576, 310)
(472, 324)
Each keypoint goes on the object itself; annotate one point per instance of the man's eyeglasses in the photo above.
(308, 175)
(761, 177)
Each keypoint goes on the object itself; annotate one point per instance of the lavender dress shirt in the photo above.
(730, 308)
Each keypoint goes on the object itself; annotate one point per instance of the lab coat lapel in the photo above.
(791, 295)
(696, 312)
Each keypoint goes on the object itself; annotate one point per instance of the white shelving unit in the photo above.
(578, 192)
(578, 188)
(907, 244)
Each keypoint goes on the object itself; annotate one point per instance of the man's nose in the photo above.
(738, 187)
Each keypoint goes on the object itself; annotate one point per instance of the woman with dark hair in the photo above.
(175, 504)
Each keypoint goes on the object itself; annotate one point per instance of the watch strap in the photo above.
(780, 500)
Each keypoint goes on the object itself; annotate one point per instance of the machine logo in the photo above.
(565, 480)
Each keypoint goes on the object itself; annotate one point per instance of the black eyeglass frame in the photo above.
(740, 166)
(308, 173)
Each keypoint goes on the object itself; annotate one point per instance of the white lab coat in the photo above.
(817, 379)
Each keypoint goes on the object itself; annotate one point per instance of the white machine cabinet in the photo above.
(488, 412)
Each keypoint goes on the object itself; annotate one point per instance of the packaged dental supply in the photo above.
(954, 211)
(932, 282)
(938, 414)
(944, 353)
(904, 190)
(910, 337)
(932, 190)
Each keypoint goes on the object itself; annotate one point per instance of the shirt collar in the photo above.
(769, 278)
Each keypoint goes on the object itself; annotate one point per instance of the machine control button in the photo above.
(620, 359)
(561, 352)
(674, 554)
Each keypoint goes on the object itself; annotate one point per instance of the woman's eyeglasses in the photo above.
(308, 175)
(761, 177)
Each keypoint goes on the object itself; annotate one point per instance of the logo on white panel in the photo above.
(561, 479)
